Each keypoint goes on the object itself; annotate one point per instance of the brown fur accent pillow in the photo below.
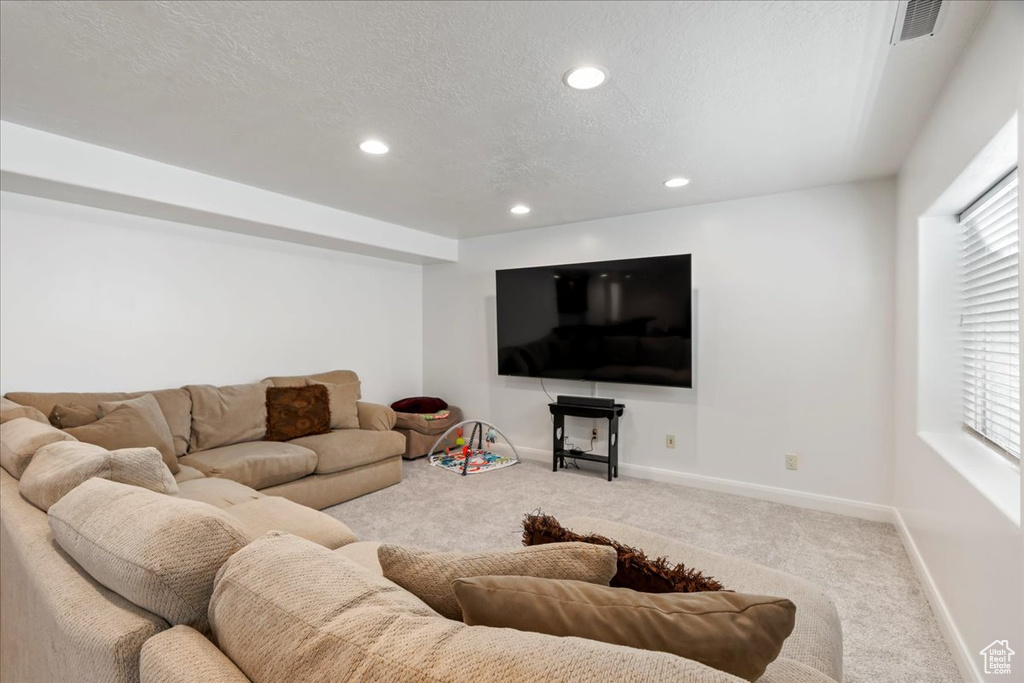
(297, 411)
(635, 569)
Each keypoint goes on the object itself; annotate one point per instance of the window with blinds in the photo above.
(990, 317)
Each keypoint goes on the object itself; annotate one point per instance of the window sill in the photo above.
(994, 476)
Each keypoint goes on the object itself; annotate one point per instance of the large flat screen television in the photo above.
(625, 321)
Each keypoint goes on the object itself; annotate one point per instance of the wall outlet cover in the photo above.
(792, 461)
(670, 441)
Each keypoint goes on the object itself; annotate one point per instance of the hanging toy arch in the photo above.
(467, 460)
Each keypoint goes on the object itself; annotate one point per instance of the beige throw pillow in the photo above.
(20, 438)
(733, 632)
(343, 399)
(126, 426)
(160, 552)
(148, 406)
(429, 575)
(222, 416)
(58, 468)
(355, 625)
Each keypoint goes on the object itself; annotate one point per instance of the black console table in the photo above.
(610, 413)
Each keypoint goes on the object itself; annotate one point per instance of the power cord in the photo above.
(546, 390)
(572, 450)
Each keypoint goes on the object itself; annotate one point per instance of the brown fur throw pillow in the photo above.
(635, 569)
(297, 411)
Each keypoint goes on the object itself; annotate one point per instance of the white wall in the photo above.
(967, 546)
(100, 300)
(793, 315)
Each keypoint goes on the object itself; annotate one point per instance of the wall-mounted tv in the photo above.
(625, 321)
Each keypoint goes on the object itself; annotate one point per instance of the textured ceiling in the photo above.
(744, 98)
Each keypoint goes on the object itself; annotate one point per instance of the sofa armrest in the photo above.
(784, 670)
(376, 417)
(184, 655)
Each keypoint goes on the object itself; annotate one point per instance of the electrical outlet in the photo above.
(792, 461)
(593, 434)
(670, 441)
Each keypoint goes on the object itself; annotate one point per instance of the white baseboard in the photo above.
(962, 655)
(812, 501)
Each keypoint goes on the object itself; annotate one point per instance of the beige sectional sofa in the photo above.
(297, 597)
(316, 471)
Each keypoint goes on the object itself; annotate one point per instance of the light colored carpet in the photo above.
(889, 631)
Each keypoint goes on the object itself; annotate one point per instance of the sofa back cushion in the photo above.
(737, 633)
(344, 403)
(10, 410)
(222, 416)
(429, 575)
(129, 427)
(175, 404)
(352, 624)
(160, 552)
(58, 468)
(147, 405)
(330, 377)
(20, 438)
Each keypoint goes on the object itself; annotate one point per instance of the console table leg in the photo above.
(557, 440)
(613, 446)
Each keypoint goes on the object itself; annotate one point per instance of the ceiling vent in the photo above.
(916, 19)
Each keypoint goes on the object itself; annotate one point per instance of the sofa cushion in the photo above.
(343, 399)
(21, 437)
(355, 625)
(347, 448)
(186, 473)
(10, 410)
(258, 464)
(737, 633)
(59, 467)
(128, 427)
(222, 416)
(273, 513)
(429, 575)
(363, 553)
(161, 552)
(216, 491)
(418, 423)
(147, 405)
(330, 377)
(66, 416)
(175, 404)
(293, 412)
(184, 655)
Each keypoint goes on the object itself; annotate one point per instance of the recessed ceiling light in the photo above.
(374, 147)
(677, 182)
(520, 209)
(585, 77)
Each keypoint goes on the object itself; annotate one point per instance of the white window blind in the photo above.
(990, 317)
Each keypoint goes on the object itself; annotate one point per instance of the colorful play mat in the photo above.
(464, 459)
(479, 461)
